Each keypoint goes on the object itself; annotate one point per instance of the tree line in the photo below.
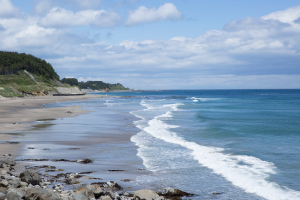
(94, 85)
(11, 62)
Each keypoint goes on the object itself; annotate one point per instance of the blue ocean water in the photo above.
(241, 144)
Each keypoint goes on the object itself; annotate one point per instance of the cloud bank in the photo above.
(168, 11)
(249, 53)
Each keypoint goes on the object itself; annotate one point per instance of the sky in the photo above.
(158, 44)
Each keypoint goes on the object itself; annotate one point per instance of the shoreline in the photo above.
(62, 159)
(20, 115)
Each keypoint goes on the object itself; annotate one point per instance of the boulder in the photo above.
(89, 194)
(105, 198)
(13, 182)
(174, 193)
(145, 194)
(31, 177)
(2, 196)
(95, 189)
(40, 193)
(15, 194)
(7, 161)
(79, 197)
(4, 183)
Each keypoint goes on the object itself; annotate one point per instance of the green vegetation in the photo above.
(21, 83)
(100, 85)
(15, 80)
(70, 81)
(11, 62)
(9, 92)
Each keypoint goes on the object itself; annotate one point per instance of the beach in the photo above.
(24, 123)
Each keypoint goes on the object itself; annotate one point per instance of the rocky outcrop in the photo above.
(30, 185)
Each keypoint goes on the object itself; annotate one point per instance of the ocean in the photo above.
(218, 144)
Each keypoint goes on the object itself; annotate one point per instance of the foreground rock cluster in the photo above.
(29, 185)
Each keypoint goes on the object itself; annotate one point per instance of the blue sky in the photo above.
(176, 44)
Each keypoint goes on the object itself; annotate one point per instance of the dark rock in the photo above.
(115, 170)
(89, 172)
(73, 149)
(173, 194)
(85, 161)
(31, 177)
(126, 180)
(12, 169)
(113, 185)
(12, 142)
(46, 149)
(30, 148)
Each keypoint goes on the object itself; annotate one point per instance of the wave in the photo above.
(204, 99)
(247, 172)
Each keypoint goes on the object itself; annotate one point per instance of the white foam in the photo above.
(246, 172)
(204, 99)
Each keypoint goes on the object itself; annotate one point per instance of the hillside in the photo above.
(22, 75)
(11, 62)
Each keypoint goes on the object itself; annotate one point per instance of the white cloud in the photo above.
(7, 10)
(60, 17)
(168, 11)
(286, 16)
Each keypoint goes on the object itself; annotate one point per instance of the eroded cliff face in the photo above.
(68, 90)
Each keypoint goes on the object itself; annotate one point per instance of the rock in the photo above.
(7, 161)
(174, 193)
(15, 194)
(113, 185)
(23, 184)
(79, 197)
(31, 177)
(39, 193)
(105, 198)
(95, 189)
(13, 182)
(3, 172)
(168, 191)
(89, 194)
(145, 194)
(2, 196)
(3, 183)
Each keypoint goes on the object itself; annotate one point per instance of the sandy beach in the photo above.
(18, 120)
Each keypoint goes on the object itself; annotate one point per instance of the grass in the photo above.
(9, 92)
(14, 84)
